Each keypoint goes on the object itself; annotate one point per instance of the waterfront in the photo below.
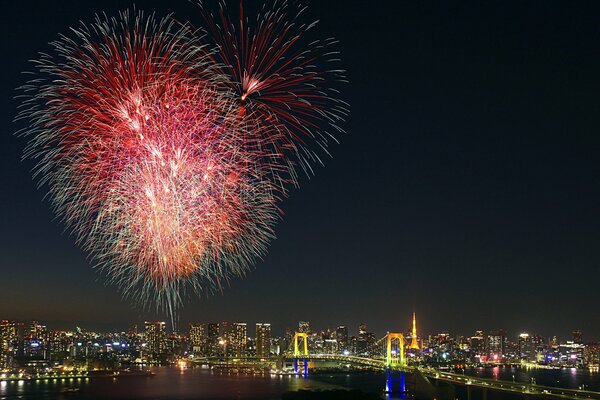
(174, 383)
(568, 378)
(168, 383)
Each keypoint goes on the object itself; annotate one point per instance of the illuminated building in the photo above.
(526, 350)
(304, 327)
(362, 329)
(577, 337)
(591, 355)
(35, 342)
(11, 342)
(263, 339)
(330, 346)
(235, 339)
(495, 345)
(198, 338)
(353, 344)
(365, 340)
(477, 343)
(58, 346)
(341, 335)
(212, 340)
(539, 346)
(155, 337)
(571, 354)
(8, 338)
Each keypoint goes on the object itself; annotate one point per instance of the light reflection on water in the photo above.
(395, 387)
(173, 383)
(570, 378)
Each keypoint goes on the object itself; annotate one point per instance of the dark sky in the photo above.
(466, 188)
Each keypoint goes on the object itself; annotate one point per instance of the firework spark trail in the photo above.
(285, 86)
(167, 155)
(142, 159)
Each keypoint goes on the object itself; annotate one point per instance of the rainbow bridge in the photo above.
(392, 359)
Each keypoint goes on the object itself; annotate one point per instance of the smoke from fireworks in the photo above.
(166, 154)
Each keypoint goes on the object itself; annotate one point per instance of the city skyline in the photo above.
(465, 189)
(299, 326)
(32, 344)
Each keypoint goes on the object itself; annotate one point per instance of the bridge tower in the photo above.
(413, 341)
(395, 359)
(298, 355)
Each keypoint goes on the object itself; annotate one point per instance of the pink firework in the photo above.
(141, 155)
(166, 152)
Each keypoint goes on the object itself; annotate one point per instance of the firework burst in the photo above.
(166, 154)
(142, 159)
(284, 83)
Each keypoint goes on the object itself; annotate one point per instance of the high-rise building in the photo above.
(11, 342)
(37, 331)
(58, 346)
(341, 335)
(365, 340)
(495, 345)
(36, 341)
(198, 338)
(330, 346)
(8, 337)
(304, 327)
(235, 339)
(591, 354)
(577, 337)
(362, 329)
(526, 351)
(263, 339)
(156, 337)
(213, 348)
(477, 343)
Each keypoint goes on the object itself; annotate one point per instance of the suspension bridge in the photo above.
(388, 354)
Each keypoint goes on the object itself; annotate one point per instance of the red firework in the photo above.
(166, 156)
(284, 84)
(141, 155)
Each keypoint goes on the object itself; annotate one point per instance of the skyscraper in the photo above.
(212, 340)
(11, 342)
(235, 339)
(365, 340)
(263, 339)
(156, 337)
(526, 351)
(8, 336)
(304, 327)
(495, 344)
(341, 334)
(36, 341)
(198, 338)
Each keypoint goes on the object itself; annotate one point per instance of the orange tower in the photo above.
(413, 341)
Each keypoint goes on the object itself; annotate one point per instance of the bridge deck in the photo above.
(507, 386)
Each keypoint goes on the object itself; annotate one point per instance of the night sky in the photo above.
(466, 188)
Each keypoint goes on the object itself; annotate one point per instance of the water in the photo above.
(168, 383)
(569, 378)
(173, 383)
